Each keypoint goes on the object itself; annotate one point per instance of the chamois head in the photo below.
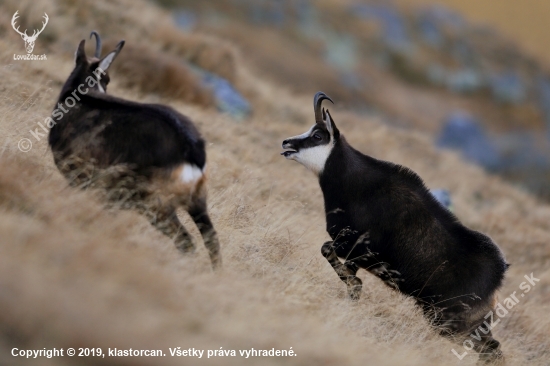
(313, 147)
(92, 72)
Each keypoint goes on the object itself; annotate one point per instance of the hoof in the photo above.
(354, 292)
(216, 263)
(186, 248)
(491, 360)
(354, 287)
(491, 356)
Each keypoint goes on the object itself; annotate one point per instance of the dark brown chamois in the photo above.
(381, 217)
(146, 157)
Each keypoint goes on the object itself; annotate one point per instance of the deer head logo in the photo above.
(29, 40)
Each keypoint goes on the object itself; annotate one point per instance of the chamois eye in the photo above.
(317, 137)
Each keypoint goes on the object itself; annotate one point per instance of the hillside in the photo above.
(74, 274)
(525, 23)
(414, 67)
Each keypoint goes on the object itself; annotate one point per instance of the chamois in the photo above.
(381, 217)
(146, 157)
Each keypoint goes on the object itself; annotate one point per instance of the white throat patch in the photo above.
(314, 158)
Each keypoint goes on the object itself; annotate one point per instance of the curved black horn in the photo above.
(317, 101)
(97, 44)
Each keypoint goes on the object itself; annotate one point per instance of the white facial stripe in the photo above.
(100, 87)
(304, 135)
(190, 173)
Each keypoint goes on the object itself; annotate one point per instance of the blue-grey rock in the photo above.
(185, 20)
(302, 10)
(463, 132)
(268, 12)
(436, 74)
(444, 18)
(543, 94)
(228, 99)
(523, 149)
(435, 21)
(309, 21)
(430, 33)
(463, 53)
(508, 87)
(341, 51)
(352, 80)
(394, 28)
(464, 81)
(443, 196)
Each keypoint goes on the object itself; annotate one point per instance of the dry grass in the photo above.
(206, 51)
(164, 75)
(295, 64)
(287, 56)
(73, 274)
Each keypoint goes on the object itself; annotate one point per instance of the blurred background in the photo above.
(457, 90)
(472, 75)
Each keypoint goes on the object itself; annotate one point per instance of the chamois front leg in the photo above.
(346, 271)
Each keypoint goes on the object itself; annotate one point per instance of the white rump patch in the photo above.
(190, 173)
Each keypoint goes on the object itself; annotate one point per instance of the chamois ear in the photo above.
(80, 53)
(106, 61)
(331, 126)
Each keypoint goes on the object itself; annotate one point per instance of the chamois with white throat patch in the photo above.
(146, 157)
(382, 218)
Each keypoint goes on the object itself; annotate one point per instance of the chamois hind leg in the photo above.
(484, 343)
(199, 214)
(164, 218)
(456, 326)
(346, 271)
(489, 350)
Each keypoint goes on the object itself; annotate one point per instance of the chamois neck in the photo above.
(346, 163)
(70, 85)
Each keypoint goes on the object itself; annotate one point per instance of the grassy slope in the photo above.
(526, 22)
(75, 275)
